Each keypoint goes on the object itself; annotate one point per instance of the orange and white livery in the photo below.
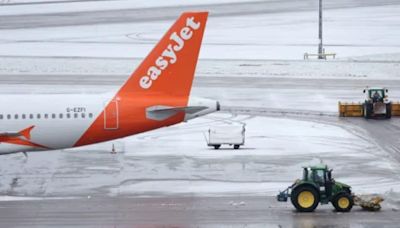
(157, 94)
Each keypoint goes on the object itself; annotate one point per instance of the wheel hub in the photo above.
(343, 202)
(306, 199)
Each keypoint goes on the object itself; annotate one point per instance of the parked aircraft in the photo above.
(156, 95)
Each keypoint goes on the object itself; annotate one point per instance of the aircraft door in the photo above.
(111, 115)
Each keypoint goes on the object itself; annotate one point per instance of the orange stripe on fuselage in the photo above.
(170, 66)
(22, 142)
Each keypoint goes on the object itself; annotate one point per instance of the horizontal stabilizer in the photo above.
(25, 133)
(160, 112)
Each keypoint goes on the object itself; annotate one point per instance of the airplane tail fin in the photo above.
(170, 66)
(157, 92)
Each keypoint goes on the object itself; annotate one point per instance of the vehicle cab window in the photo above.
(319, 177)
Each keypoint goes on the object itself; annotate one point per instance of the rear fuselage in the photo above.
(63, 121)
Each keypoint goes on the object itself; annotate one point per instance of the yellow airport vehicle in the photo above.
(375, 105)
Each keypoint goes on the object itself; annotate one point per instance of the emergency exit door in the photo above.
(111, 115)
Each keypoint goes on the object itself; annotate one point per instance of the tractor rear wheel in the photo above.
(343, 202)
(305, 198)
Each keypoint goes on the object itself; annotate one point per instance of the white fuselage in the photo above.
(59, 120)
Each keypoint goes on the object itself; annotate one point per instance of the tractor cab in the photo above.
(376, 94)
(318, 186)
(320, 177)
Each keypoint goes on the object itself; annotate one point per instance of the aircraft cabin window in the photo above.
(61, 115)
(68, 115)
(8, 116)
(53, 116)
(83, 115)
(16, 116)
(30, 116)
(90, 115)
(46, 116)
(1, 117)
(23, 116)
(38, 116)
(76, 115)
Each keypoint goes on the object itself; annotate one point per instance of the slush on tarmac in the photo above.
(252, 62)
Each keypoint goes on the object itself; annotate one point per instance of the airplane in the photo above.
(157, 94)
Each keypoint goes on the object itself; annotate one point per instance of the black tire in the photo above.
(343, 202)
(388, 111)
(297, 197)
(217, 147)
(368, 108)
(236, 147)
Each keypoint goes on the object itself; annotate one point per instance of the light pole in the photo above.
(320, 48)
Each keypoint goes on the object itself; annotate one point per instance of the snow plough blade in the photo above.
(396, 108)
(352, 109)
(369, 203)
(356, 109)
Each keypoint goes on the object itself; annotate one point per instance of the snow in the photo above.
(262, 36)
(199, 188)
(11, 7)
(195, 170)
(22, 198)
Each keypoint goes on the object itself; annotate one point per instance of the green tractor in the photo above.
(318, 186)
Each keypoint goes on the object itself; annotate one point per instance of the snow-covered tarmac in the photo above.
(251, 61)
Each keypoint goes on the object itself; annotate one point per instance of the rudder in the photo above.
(163, 79)
(170, 66)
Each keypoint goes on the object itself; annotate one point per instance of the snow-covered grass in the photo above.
(11, 7)
(176, 160)
(353, 32)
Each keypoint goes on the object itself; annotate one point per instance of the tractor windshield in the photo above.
(376, 94)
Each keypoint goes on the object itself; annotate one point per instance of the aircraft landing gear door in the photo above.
(111, 115)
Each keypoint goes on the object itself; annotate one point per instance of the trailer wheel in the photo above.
(217, 147)
(236, 147)
(388, 111)
(343, 202)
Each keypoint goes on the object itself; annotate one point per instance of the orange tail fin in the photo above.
(170, 66)
(163, 79)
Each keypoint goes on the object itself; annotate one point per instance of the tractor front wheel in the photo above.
(343, 202)
(388, 111)
(368, 109)
(305, 198)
